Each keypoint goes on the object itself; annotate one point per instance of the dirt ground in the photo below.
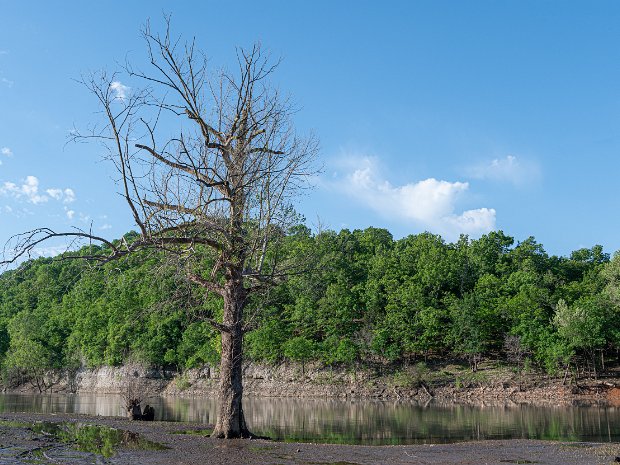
(20, 444)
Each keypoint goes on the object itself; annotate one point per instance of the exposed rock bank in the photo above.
(289, 380)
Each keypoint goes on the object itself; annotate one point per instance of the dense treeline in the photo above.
(364, 296)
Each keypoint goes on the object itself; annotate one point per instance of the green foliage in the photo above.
(267, 342)
(199, 345)
(299, 349)
(365, 296)
(182, 383)
(410, 377)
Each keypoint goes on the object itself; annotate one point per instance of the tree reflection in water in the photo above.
(361, 422)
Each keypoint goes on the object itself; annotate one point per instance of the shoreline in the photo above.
(19, 443)
(446, 384)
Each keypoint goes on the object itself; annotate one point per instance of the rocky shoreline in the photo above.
(289, 380)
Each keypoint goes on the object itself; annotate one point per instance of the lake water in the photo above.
(358, 422)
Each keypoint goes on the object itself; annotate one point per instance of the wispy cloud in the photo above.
(508, 169)
(7, 152)
(429, 204)
(56, 194)
(4, 80)
(69, 196)
(50, 251)
(17, 212)
(29, 191)
(66, 195)
(120, 90)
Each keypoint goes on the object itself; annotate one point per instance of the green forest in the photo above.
(363, 296)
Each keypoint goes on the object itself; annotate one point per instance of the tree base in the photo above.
(231, 434)
(245, 434)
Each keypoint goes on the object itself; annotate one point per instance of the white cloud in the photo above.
(50, 251)
(6, 151)
(509, 169)
(29, 190)
(120, 90)
(429, 204)
(69, 196)
(70, 214)
(105, 227)
(56, 194)
(7, 82)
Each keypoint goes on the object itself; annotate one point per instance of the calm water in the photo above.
(359, 422)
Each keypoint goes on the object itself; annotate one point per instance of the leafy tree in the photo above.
(267, 341)
(469, 334)
(582, 325)
(27, 353)
(299, 349)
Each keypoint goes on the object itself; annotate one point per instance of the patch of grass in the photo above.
(471, 379)
(196, 432)
(182, 383)
(13, 424)
(410, 377)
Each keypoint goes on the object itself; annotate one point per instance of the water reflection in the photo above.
(96, 439)
(359, 422)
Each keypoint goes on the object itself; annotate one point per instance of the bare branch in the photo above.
(208, 163)
(207, 284)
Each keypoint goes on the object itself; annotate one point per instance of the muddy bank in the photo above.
(450, 383)
(21, 444)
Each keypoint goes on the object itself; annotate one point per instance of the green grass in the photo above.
(196, 432)
(13, 424)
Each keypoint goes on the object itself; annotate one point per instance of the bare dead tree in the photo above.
(208, 164)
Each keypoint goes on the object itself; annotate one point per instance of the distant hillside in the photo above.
(368, 298)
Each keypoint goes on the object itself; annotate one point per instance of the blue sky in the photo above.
(443, 116)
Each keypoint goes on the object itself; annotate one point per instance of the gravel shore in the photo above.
(21, 444)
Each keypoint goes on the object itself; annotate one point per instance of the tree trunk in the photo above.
(230, 420)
